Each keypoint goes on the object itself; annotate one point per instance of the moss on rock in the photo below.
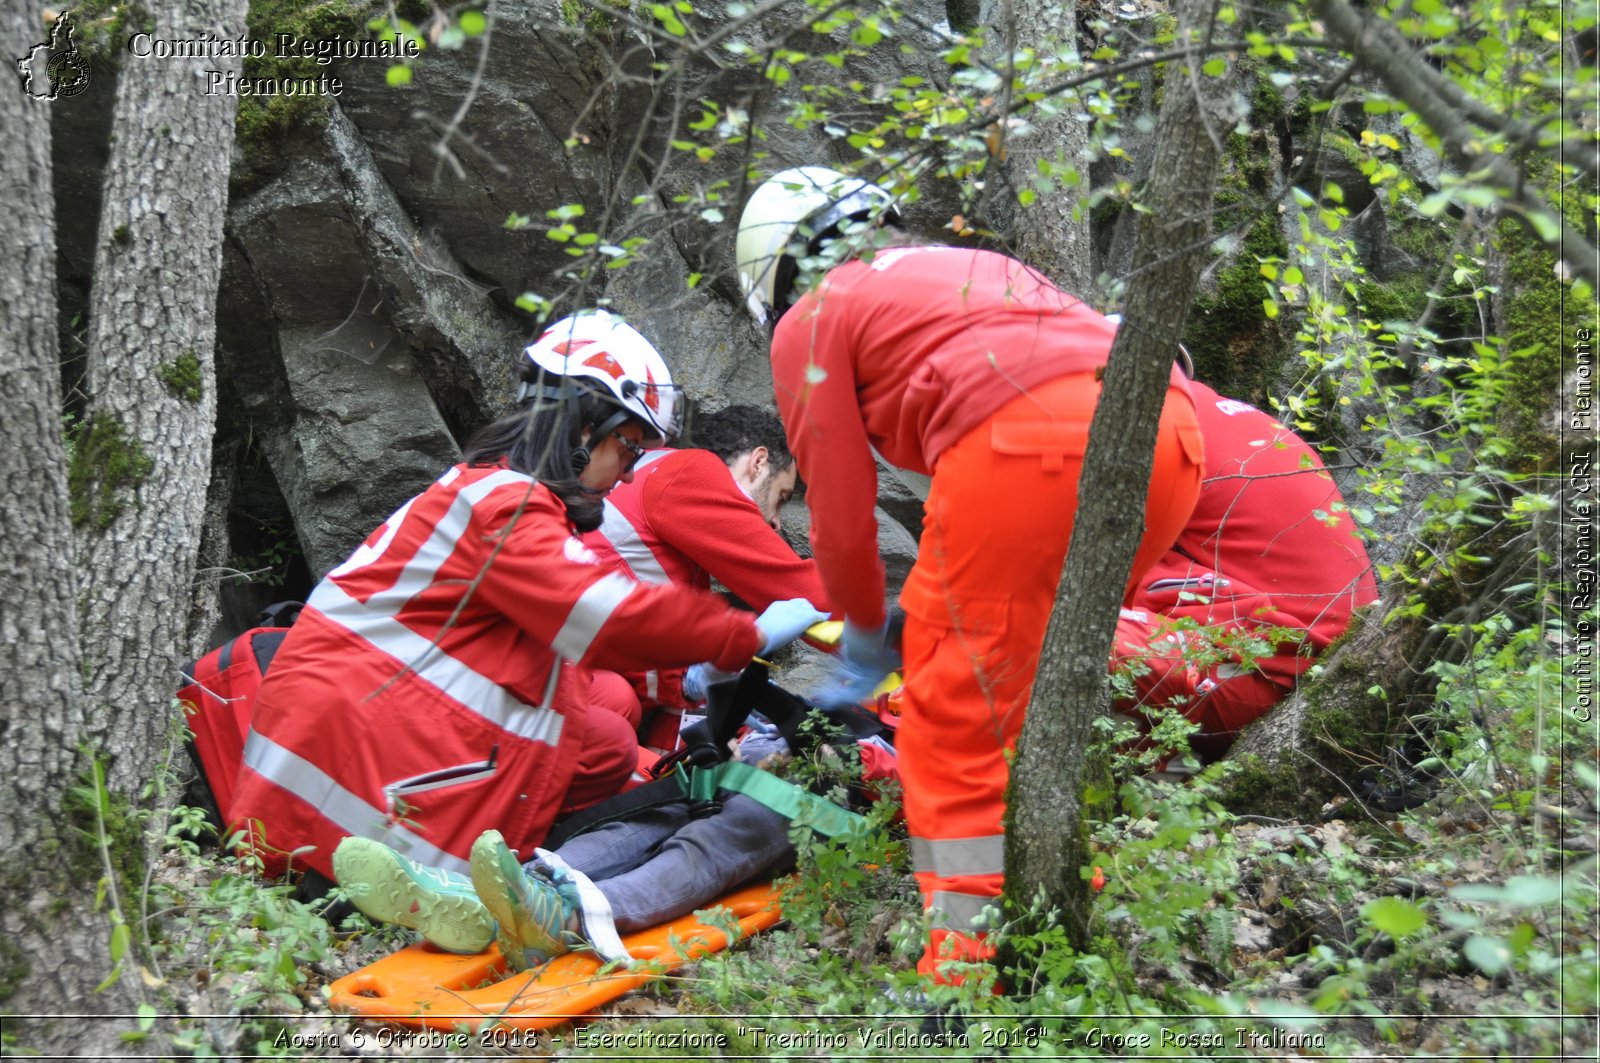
(1316, 744)
(1539, 319)
(263, 121)
(1236, 347)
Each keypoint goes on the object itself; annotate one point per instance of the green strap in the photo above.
(785, 798)
(700, 784)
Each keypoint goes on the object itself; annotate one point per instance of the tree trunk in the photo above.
(152, 384)
(1046, 234)
(1046, 844)
(53, 943)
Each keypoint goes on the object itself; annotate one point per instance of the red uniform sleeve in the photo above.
(696, 508)
(814, 379)
(544, 579)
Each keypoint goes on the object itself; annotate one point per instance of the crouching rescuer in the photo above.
(439, 683)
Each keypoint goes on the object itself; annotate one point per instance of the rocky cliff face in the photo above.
(368, 313)
(367, 317)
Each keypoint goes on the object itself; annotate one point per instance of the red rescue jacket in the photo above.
(436, 684)
(683, 520)
(1269, 542)
(906, 355)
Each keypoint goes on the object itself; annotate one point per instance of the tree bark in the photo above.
(1046, 844)
(52, 940)
(1046, 234)
(152, 384)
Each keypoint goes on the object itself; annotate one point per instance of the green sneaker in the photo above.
(535, 915)
(440, 905)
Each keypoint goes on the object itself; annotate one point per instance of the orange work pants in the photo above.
(998, 519)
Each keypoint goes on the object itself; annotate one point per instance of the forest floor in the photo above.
(1456, 930)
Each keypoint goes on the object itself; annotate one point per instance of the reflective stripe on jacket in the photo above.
(423, 698)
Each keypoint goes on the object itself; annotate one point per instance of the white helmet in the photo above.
(600, 347)
(787, 218)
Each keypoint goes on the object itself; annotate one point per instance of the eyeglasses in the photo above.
(635, 451)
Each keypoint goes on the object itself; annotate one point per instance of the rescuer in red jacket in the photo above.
(712, 512)
(438, 683)
(972, 367)
(1269, 554)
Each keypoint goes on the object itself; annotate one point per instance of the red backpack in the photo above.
(217, 702)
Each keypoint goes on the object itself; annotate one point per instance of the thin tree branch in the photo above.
(1392, 60)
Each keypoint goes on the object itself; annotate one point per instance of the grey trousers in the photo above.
(663, 864)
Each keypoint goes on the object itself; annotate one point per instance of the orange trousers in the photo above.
(998, 520)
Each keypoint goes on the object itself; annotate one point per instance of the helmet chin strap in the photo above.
(581, 455)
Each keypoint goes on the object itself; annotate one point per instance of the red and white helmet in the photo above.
(599, 347)
(787, 218)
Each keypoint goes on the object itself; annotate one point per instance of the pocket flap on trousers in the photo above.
(1052, 442)
(1193, 443)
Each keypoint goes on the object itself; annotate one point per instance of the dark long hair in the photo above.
(541, 438)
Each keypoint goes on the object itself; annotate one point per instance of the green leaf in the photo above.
(473, 23)
(533, 303)
(1586, 774)
(1395, 916)
(1215, 67)
(867, 34)
(147, 1016)
(398, 75)
(1489, 955)
(1532, 891)
(1479, 891)
(1269, 308)
(1546, 225)
(669, 20)
(1460, 920)
(451, 38)
(1434, 205)
(121, 938)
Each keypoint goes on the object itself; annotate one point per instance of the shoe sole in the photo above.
(451, 922)
(501, 883)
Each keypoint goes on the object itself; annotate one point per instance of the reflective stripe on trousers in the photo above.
(978, 602)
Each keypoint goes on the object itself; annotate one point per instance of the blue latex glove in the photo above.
(698, 678)
(865, 658)
(783, 622)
